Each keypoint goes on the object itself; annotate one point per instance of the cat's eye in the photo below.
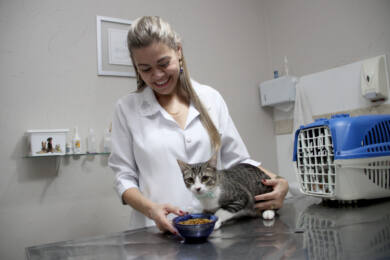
(190, 181)
(205, 178)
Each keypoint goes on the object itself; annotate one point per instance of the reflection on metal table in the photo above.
(305, 228)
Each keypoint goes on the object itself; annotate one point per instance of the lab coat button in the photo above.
(188, 140)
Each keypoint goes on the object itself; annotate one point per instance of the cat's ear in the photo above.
(183, 166)
(213, 160)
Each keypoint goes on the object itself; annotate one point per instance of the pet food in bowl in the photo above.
(195, 228)
(195, 221)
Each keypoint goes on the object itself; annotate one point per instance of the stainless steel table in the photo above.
(305, 228)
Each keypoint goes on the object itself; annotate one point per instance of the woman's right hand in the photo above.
(158, 213)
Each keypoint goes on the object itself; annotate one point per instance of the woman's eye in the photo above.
(145, 70)
(164, 65)
(205, 178)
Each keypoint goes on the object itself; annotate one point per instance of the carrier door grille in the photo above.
(315, 161)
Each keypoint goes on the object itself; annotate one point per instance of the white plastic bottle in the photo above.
(286, 72)
(68, 148)
(91, 142)
(68, 145)
(107, 141)
(76, 141)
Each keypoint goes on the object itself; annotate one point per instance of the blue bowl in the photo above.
(197, 233)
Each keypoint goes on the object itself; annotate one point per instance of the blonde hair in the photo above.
(149, 29)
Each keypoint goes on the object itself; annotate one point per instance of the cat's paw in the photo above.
(217, 225)
(191, 210)
(268, 214)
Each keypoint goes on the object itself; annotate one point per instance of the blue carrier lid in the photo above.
(354, 137)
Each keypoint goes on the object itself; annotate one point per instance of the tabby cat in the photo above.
(227, 193)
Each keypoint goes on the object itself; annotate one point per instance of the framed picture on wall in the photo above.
(112, 53)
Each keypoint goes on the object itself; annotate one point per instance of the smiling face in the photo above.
(159, 66)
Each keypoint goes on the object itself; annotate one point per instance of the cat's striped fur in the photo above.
(228, 193)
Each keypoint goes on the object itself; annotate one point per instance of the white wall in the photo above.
(320, 35)
(48, 80)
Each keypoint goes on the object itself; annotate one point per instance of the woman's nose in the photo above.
(157, 73)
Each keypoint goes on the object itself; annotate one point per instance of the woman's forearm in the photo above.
(136, 200)
(157, 212)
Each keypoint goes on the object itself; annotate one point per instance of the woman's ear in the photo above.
(179, 51)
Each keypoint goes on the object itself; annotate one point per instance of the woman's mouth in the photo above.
(162, 83)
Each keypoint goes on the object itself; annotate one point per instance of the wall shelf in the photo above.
(65, 155)
(59, 157)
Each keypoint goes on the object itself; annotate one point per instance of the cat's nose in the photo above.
(197, 189)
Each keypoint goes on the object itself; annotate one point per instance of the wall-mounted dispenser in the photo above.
(278, 91)
(375, 79)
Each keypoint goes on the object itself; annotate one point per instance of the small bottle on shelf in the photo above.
(286, 72)
(91, 142)
(276, 74)
(68, 148)
(107, 141)
(76, 141)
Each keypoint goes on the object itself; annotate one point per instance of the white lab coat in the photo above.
(147, 141)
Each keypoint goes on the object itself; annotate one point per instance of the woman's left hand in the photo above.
(274, 199)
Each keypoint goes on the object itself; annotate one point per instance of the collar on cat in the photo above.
(208, 195)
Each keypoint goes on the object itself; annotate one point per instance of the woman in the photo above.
(170, 117)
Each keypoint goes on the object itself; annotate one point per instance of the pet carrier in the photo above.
(344, 158)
